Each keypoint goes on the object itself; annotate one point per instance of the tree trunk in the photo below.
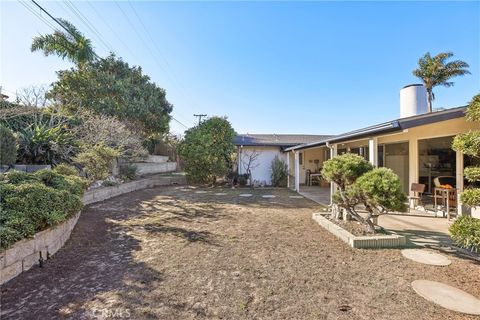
(430, 99)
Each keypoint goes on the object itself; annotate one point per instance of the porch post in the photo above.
(333, 154)
(412, 163)
(459, 179)
(297, 172)
(373, 151)
(288, 169)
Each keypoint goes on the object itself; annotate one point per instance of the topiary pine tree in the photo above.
(469, 144)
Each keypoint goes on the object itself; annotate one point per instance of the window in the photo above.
(300, 158)
(437, 162)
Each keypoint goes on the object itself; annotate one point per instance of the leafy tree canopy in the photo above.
(71, 45)
(111, 87)
(437, 71)
(206, 150)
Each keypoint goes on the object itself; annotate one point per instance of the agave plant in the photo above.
(41, 143)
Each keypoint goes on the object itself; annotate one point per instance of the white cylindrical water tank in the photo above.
(413, 100)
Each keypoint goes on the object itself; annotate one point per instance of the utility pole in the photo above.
(200, 116)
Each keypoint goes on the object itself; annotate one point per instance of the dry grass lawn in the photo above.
(173, 253)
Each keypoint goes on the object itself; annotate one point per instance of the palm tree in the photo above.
(436, 71)
(72, 45)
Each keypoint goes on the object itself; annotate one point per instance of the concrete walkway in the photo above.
(420, 231)
(315, 193)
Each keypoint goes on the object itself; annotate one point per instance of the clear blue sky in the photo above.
(271, 67)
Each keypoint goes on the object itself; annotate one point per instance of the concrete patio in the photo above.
(421, 228)
(315, 193)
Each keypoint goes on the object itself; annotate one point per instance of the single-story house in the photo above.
(416, 146)
(255, 152)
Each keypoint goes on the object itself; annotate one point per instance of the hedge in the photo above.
(32, 202)
(465, 232)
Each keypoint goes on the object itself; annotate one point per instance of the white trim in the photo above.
(373, 151)
(297, 172)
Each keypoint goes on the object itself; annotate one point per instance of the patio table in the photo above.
(446, 194)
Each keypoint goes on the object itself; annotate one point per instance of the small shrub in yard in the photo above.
(97, 161)
(66, 169)
(72, 184)
(128, 171)
(30, 202)
(465, 233)
(378, 190)
(8, 146)
(279, 173)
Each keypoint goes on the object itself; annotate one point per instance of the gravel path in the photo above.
(166, 253)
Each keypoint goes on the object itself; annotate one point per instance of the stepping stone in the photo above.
(183, 189)
(296, 197)
(220, 194)
(268, 196)
(245, 195)
(426, 257)
(201, 191)
(447, 296)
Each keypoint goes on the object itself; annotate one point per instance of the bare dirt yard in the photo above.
(176, 253)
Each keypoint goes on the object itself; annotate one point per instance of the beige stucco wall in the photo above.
(413, 135)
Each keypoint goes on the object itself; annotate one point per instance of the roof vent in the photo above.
(413, 100)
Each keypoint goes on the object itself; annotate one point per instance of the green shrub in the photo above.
(66, 169)
(8, 146)
(380, 187)
(18, 177)
(207, 150)
(97, 161)
(31, 202)
(128, 171)
(345, 169)
(72, 184)
(279, 173)
(470, 197)
(465, 232)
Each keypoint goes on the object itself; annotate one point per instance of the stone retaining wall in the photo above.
(100, 194)
(379, 241)
(155, 167)
(26, 253)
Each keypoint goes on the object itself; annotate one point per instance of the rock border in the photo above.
(101, 194)
(27, 253)
(359, 242)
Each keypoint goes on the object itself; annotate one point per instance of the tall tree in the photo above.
(207, 150)
(109, 86)
(436, 71)
(71, 45)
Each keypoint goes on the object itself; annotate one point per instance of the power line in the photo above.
(148, 47)
(88, 24)
(59, 23)
(39, 16)
(111, 29)
(68, 31)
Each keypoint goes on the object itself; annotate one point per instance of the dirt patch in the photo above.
(171, 253)
(355, 227)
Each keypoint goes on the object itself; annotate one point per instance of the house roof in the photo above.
(387, 127)
(276, 140)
